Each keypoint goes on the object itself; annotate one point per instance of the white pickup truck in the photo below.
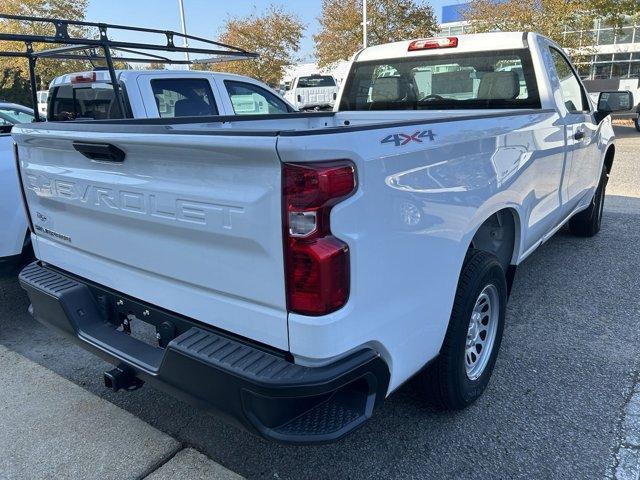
(295, 270)
(312, 92)
(147, 94)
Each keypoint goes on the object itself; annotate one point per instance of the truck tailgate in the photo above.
(316, 96)
(188, 222)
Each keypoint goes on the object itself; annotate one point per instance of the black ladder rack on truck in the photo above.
(81, 48)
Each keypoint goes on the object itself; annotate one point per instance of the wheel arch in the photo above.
(609, 157)
(499, 233)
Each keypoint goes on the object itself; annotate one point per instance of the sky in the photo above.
(206, 17)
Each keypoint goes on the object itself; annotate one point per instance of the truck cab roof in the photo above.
(102, 76)
(478, 42)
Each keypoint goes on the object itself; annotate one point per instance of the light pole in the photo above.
(364, 23)
(185, 41)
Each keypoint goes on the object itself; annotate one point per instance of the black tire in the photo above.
(589, 221)
(637, 123)
(445, 382)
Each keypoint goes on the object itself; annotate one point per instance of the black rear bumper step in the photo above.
(257, 389)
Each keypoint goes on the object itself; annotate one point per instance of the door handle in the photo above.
(579, 135)
(105, 152)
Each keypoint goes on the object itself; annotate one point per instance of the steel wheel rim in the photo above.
(481, 332)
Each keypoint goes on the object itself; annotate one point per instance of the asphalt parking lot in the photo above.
(554, 408)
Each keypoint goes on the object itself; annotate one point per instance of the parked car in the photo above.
(313, 92)
(14, 239)
(161, 94)
(147, 94)
(297, 270)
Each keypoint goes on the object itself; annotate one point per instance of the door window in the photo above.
(249, 99)
(572, 93)
(183, 97)
(12, 116)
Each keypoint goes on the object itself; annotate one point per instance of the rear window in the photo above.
(95, 101)
(484, 80)
(183, 97)
(316, 81)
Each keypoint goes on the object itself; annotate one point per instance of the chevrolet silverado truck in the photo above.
(147, 94)
(290, 272)
(312, 92)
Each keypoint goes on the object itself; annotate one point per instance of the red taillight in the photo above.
(316, 262)
(431, 43)
(88, 77)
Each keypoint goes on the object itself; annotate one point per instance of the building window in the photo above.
(620, 69)
(624, 35)
(606, 36)
(602, 70)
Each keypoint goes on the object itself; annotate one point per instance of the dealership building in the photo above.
(611, 53)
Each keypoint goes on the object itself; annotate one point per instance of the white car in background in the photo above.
(13, 224)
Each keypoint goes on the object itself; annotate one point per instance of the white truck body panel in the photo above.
(417, 207)
(224, 207)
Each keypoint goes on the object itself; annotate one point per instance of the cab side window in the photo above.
(572, 93)
(249, 99)
(183, 97)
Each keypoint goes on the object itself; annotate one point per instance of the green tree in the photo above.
(340, 34)
(551, 18)
(275, 35)
(14, 72)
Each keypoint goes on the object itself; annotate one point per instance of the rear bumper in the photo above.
(254, 387)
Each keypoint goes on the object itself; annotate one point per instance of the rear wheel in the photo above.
(637, 123)
(588, 222)
(461, 372)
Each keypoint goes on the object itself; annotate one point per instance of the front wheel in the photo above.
(637, 123)
(461, 372)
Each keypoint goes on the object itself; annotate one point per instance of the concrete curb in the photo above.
(52, 428)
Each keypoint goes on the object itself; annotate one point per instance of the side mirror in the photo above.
(610, 102)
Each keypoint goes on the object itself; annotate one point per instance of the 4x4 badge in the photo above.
(399, 139)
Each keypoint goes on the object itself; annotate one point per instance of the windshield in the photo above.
(484, 80)
(316, 81)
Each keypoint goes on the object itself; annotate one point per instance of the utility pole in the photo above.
(364, 23)
(185, 41)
